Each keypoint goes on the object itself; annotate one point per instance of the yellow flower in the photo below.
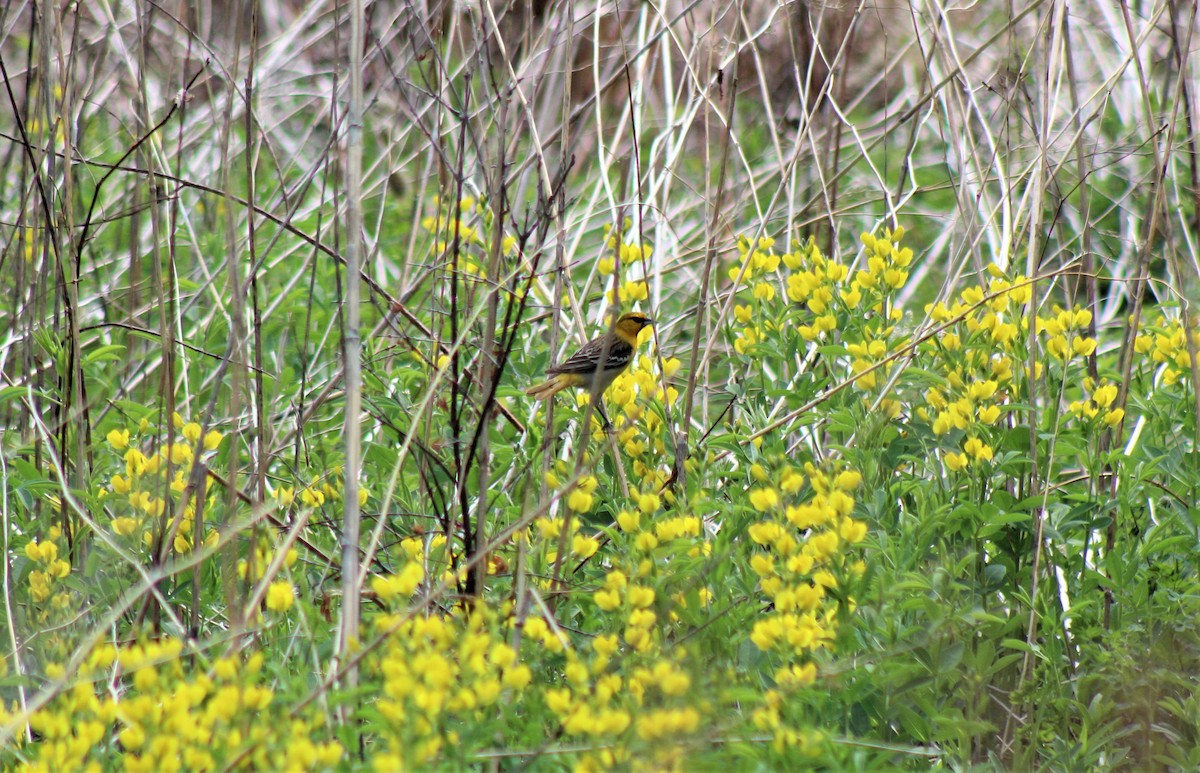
(766, 532)
(628, 520)
(791, 481)
(517, 677)
(280, 596)
(584, 547)
(607, 600)
(989, 414)
(646, 542)
(982, 390)
(853, 531)
(118, 438)
(978, 449)
(1103, 396)
(629, 292)
(124, 525)
(119, 485)
(640, 597)
(285, 495)
(1004, 333)
(847, 480)
(764, 499)
(579, 500)
(402, 584)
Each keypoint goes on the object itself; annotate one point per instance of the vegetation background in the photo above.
(905, 476)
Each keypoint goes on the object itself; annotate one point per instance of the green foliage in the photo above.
(853, 583)
(905, 508)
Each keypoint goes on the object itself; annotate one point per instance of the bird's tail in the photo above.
(548, 388)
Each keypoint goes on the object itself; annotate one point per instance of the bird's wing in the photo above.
(585, 360)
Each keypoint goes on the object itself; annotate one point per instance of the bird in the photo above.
(582, 369)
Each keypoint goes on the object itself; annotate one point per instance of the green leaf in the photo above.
(107, 353)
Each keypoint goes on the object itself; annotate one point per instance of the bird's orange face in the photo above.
(630, 324)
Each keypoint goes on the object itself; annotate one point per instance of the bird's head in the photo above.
(630, 324)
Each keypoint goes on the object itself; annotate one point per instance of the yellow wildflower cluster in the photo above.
(320, 489)
(423, 561)
(281, 593)
(437, 557)
(548, 528)
(263, 557)
(439, 672)
(168, 717)
(471, 221)
(624, 256)
(639, 428)
(636, 601)
(136, 498)
(608, 702)
(625, 698)
(806, 540)
(400, 585)
(1066, 333)
(820, 285)
(634, 402)
(583, 496)
(1166, 343)
(996, 309)
(969, 407)
(642, 697)
(872, 289)
(579, 501)
(975, 355)
(589, 704)
(69, 729)
(1099, 404)
(886, 271)
(43, 581)
(316, 493)
(758, 266)
(832, 299)
(53, 606)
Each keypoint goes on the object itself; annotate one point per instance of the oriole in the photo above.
(583, 368)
